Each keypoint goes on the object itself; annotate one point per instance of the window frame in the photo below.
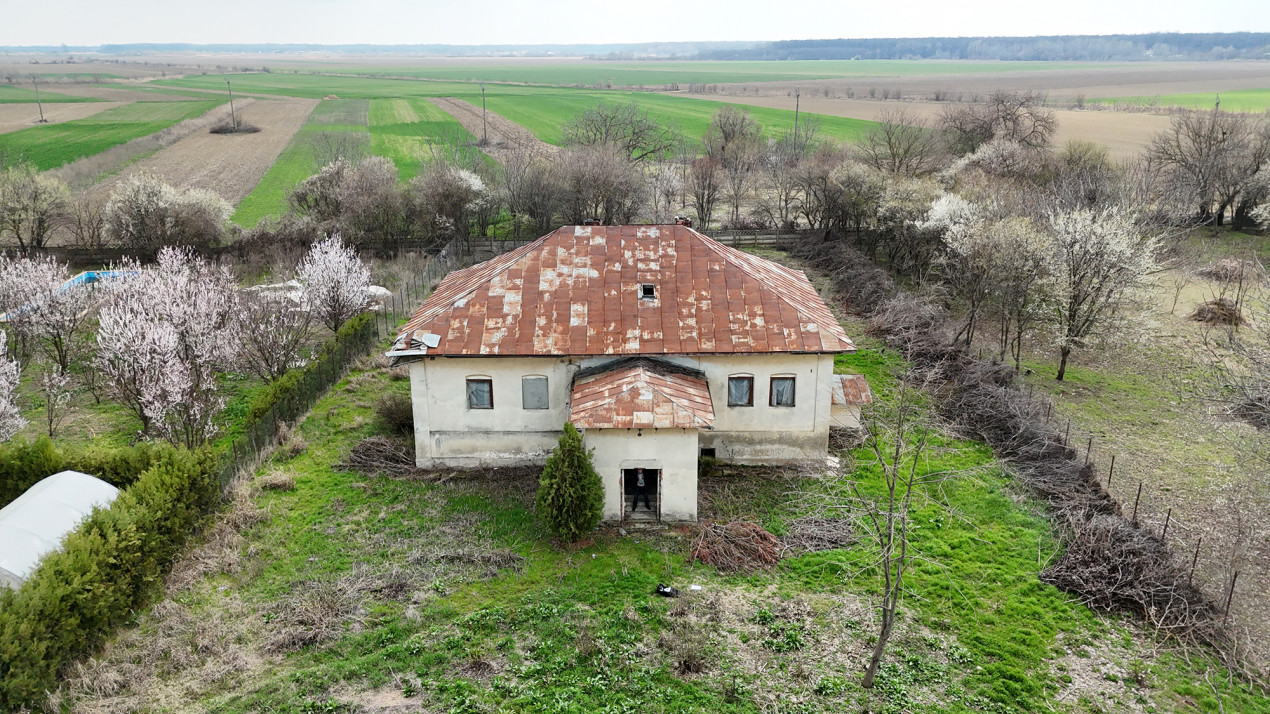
(647, 291)
(467, 394)
(749, 377)
(793, 392)
(546, 389)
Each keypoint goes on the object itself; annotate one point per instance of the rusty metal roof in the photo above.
(850, 389)
(641, 397)
(576, 291)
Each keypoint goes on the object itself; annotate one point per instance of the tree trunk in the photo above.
(888, 621)
(1062, 363)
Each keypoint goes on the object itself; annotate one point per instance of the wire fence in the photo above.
(246, 452)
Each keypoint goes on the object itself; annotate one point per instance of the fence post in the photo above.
(1167, 517)
(1068, 434)
(1194, 560)
(1089, 449)
(1135, 503)
(1229, 596)
(1111, 471)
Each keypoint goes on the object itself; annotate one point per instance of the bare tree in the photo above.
(372, 207)
(626, 128)
(598, 182)
(318, 196)
(1019, 117)
(32, 205)
(329, 147)
(703, 189)
(734, 141)
(87, 222)
(58, 395)
(530, 187)
(902, 143)
(274, 333)
(448, 200)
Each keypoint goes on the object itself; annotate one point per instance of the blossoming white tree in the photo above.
(335, 282)
(43, 309)
(10, 419)
(164, 337)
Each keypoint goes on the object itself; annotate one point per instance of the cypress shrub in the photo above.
(105, 569)
(570, 492)
(23, 463)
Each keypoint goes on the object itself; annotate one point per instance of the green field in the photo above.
(10, 94)
(541, 110)
(53, 145)
(406, 130)
(332, 122)
(662, 73)
(1241, 100)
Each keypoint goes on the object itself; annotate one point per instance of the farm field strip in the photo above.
(18, 94)
(333, 120)
(1239, 100)
(541, 110)
(52, 145)
(405, 130)
(230, 165)
(18, 116)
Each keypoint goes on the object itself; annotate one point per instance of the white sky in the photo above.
(92, 22)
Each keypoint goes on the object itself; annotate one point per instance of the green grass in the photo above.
(541, 110)
(10, 94)
(662, 73)
(1240, 100)
(347, 118)
(52, 145)
(406, 130)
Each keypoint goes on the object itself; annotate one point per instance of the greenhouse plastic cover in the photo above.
(37, 521)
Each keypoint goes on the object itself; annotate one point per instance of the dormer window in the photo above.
(647, 291)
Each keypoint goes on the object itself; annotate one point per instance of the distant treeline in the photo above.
(640, 50)
(1153, 46)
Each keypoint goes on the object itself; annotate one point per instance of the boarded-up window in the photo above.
(533, 392)
(740, 391)
(782, 392)
(480, 394)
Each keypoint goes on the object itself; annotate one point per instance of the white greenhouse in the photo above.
(36, 522)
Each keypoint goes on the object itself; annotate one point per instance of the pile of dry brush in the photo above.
(1108, 561)
(745, 546)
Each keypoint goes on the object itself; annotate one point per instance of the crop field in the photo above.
(541, 110)
(642, 74)
(10, 93)
(405, 130)
(1239, 100)
(52, 145)
(332, 122)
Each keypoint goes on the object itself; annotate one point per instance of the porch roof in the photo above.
(848, 389)
(640, 396)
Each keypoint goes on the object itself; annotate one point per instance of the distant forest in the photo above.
(1154, 46)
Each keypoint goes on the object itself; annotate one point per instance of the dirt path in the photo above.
(505, 136)
(14, 117)
(230, 165)
(1124, 134)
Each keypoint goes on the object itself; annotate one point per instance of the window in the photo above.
(480, 394)
(740, 391)
(647, 291)
(533, 392)
(782, 392)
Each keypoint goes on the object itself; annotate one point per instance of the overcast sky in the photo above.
(92, 22)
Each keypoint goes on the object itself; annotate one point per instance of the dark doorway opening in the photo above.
(635, 506)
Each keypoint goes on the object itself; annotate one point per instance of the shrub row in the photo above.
(104, 571)
(23, 463)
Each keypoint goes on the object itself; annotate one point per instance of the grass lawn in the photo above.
(51, 146)
(10, 94)
(326, 590)
(1240, 100)
(541, 110)
(332, 122)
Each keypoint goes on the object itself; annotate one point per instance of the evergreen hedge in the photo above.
(23, 463)
(105, 569)
(570, 492)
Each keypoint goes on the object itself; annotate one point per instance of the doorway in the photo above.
(633, 507)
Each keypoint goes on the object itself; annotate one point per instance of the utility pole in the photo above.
(36, 84)
(796, 102)
(233, 121)
(484, 130)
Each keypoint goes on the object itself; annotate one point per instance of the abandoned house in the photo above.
(660, 344)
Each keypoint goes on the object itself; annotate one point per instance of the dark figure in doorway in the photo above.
(641, 489)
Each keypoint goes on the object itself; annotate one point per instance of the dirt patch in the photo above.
(121, 92)
(229, 164)
(14, 117)
(1124, 134)
(505, 136)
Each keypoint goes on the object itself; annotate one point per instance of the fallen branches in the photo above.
(736, 546)
(380, 455)
(812, 534)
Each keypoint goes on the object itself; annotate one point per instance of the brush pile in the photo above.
(380, 456)
(812, 534)
(736, 546)
(1219, 311)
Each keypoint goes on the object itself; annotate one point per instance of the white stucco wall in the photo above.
(447, 433)
(673, 451)
(845, 416)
